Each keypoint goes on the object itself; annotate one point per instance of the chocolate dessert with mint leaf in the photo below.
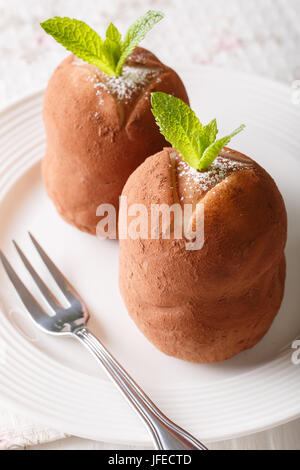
(97, 115)
(209, 304)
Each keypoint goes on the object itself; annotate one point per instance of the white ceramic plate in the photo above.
(55, 381)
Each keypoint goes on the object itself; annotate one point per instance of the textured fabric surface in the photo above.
(257, 36)
(260, 36)
(18, 433)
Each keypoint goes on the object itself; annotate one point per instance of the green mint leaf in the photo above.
(180, 126)
(113, 33)
(136, 34)
(109, 55)
(112, 46)
(210, 132)
(215, 148)
(77, 37)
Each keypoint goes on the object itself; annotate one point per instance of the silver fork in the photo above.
(72, 322)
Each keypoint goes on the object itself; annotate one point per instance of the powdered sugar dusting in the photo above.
(77, 61)
(133, 78)
(132, 81)
(203, 181)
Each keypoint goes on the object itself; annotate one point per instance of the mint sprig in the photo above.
(110, 54)
(180, 126)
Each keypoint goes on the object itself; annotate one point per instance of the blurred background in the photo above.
(257, 36)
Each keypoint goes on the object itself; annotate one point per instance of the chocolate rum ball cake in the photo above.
(97, 115)
(209, 304)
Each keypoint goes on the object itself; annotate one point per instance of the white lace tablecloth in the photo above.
(256, 36)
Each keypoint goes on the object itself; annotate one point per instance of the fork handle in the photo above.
(166, 435)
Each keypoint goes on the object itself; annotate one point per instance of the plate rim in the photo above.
(193, 69)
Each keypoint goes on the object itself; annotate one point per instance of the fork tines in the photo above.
(72, 313)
